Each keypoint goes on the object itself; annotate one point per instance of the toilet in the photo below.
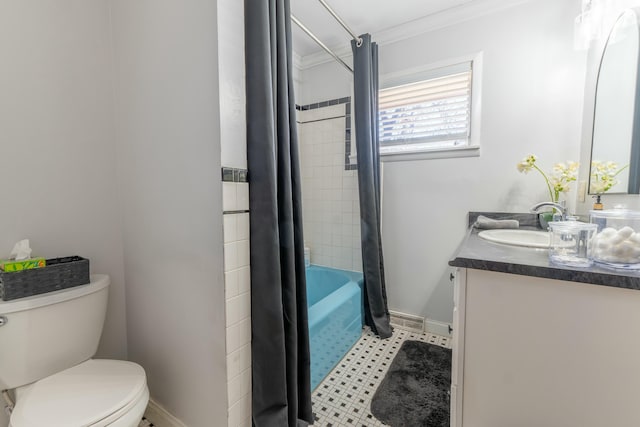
(46, 345)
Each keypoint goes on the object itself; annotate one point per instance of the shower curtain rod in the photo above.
(341, 22)
(322, 45)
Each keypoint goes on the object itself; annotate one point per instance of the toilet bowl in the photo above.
(46, 342)
(94, 393)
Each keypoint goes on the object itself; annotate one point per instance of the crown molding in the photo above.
(297, 61)
(322, 57)
(437, 21)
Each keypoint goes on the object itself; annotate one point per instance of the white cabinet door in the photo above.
(457, 345)
(549, 353)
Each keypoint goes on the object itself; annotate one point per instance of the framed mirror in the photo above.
(616, 124)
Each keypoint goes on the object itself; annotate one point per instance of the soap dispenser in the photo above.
(598, 206)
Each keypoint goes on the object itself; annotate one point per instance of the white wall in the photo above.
(532, 100)
(168, 142)
(323, 82)
(56, 132)
(232, 83)
(532, 94)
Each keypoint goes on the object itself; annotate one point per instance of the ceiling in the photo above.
(362, 16)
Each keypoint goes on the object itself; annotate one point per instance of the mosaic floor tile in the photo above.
(343, 398)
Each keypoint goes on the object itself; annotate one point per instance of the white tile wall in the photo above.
(332, 230)
(235, 196)
(238, 302)
(331, 208)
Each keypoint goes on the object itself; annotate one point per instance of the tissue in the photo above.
(21, 250)
(20, 259)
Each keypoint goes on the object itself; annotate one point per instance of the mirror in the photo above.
(616, 124)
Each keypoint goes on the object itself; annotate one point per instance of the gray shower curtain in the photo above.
(365, 88)
(280, 337)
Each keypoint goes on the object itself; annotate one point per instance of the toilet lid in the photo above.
(80, 396)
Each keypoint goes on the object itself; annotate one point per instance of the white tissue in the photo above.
(21, 250)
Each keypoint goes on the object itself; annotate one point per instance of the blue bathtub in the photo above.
(334, 299)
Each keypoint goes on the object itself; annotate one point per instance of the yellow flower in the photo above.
(603, 175)
(527, 163)
(563, 174)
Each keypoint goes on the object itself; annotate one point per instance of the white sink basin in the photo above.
(527, 238)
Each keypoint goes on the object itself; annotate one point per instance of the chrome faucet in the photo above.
(561, 208)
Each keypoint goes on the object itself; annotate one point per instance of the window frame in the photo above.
(472, 149)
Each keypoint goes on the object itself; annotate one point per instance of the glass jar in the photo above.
(617, 241)
(571, 243)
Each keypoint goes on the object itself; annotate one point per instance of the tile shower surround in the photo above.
(347, 125)
(235, 205)
(237, 282)
(331, 207)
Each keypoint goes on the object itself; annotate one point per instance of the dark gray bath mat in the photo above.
(415, 391)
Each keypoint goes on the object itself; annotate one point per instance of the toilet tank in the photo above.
(45, 334)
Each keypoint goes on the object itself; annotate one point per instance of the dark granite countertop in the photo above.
(477, 253)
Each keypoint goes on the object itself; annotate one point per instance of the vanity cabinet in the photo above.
(457, 345)
(539, 352)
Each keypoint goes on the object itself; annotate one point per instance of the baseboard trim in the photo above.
(407, 321)
(413, 323)
(160, 417)
(438, 328)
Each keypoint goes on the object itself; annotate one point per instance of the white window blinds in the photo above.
(432, 113)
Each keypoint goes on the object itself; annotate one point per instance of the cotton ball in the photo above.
(636, 245)
(625, 232)
(601, 247)
(616, 239)
(606, 237)
(618, 251)
(626, 248)
(603, 244)
(635, 252)
(635, 238)
(602, 252)
(608, 232)
(627, 245)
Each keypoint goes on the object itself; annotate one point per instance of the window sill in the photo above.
(443, 153)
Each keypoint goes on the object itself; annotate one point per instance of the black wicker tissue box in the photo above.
(59, 273)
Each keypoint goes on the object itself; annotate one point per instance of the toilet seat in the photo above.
(95, 393)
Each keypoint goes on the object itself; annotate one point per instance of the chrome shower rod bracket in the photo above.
(341, 22)
(319, 42)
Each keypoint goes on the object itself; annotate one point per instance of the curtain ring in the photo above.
(359, 42)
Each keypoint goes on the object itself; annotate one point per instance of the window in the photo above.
(429, 111)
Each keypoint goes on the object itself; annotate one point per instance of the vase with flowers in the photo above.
(557, 182)
(603, 178)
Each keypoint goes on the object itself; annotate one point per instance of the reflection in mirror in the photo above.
(616, 126)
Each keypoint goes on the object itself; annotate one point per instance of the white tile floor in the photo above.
(343, 398)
